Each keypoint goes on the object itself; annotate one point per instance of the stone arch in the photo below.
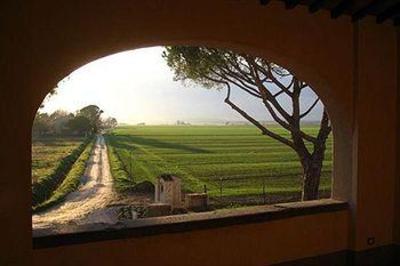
(292, 41)
(322, 91)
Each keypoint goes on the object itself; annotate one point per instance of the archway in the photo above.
(185, 171)
(300, 53)
(129, 26)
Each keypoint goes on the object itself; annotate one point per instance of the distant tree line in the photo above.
(84, 122)
(182, 123)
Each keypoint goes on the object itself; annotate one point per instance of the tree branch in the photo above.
(268, 73)
(325, 128)
(266, 94)
(242, 86)
(278, 93)
(263, 129)
(309, 109)
(295, 123)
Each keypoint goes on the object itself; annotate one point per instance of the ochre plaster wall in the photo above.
(253, 244)
(376, 115)
(397, 193)
(397, 211)
(47, 40)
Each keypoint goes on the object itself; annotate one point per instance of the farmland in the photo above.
(237, 159)
(47, 153)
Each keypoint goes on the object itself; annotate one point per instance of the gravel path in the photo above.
(87, 205)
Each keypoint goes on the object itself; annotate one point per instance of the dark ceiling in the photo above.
(383, 10)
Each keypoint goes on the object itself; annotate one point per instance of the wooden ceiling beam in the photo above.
(339, 10)
(316, 6)
(396, 21)
(264, 2)
(361, 13)
(390, 12)
(345, 6)
(290, 4)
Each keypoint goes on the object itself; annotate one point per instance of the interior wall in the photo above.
(47, 40)
(376, 121)
(397, 203)
(15, 108)
(254, 244)
(84, 32)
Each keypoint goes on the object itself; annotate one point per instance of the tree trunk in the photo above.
(312, 167)
(311, 179)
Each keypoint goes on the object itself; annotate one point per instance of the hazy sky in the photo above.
(137, 86)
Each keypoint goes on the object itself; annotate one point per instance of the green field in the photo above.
(238, 157)
(47, 153)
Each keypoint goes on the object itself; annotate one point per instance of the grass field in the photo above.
(203, 155)
(47, 153)
(72, 179)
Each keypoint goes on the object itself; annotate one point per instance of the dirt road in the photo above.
(89, 203)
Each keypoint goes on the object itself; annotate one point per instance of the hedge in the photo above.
(44, 187)
(71, 182)
(122, 180)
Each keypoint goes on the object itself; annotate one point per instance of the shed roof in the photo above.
(167, 177)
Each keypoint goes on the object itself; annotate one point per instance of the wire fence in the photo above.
(261, 181)
(241, 188)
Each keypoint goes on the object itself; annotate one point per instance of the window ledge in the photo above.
(78, 234)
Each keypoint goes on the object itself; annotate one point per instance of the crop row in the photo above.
(72, 179)
(122, 179)
(204, 130)
(203, 155)
(44, 187)
(47, 153)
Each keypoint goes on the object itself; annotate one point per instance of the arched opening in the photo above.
(264, 134)
(338, 58)
(329, 54)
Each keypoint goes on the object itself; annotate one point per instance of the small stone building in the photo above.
(168, 190)
(196, 201)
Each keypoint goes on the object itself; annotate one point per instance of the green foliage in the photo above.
(44, 187)
(79, 124)
(194, 63)
(211, 67)
(122, 181)
(110, 123)
(201, 155)
(48, 152)
(41, 124)
(92, 113)
(71, 181)
(86, 121)
(54, 124)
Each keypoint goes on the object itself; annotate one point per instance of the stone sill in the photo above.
(71, 234)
